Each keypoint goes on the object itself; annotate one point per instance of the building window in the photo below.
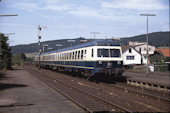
(130, 57)
(140, 50)
(130, 50)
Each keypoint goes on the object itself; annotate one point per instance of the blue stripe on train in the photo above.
(93, 66)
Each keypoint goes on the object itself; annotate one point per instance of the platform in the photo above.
(21, 92)
(152, 80)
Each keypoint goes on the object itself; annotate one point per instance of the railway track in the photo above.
(119, 95)
(141, 91)
(89, 102)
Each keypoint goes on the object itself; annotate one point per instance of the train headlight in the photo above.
(118, 62)
(100, 62)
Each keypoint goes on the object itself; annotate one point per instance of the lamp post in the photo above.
(147, 66)
(9, 15)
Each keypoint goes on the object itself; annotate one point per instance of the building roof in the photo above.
(164, 51)
(94, 43)
(125, 47)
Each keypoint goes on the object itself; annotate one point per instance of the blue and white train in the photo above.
(102, 57)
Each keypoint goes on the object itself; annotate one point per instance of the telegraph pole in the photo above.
(147, 66)
(5, 16)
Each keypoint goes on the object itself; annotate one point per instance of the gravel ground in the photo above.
(131, 101)
(21, 92)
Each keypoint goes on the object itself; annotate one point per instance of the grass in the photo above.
(17, 60)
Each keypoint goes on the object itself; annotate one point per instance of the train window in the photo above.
(70, 56)
(103, 52)
(92, 54)
(85, 54)
(115, 52)
(43, 57)
(81, 54)
(67, 56)
(78, 55)
(108, 53)
(73, 55)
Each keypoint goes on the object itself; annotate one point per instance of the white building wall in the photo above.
(144, 59)
(143, 48)
(136, 60)
(136, 43)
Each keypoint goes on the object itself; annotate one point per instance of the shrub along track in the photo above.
(121, 99)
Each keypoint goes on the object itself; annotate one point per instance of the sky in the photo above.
(68, 19)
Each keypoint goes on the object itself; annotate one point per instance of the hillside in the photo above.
(32, 48)
(157, 39)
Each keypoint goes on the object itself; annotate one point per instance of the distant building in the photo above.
(141, 47)
(131, 56)
(165, 51)
(161, 58)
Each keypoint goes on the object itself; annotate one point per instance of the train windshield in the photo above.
(108, 52)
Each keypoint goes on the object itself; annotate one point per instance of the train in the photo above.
(101, 57)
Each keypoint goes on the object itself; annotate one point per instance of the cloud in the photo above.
(105, 14)
(71, 26)
(135, 4)
(87, 12)
(51, 1)
(16, 25)
(25, 6)
(56, 7)
(52, 5)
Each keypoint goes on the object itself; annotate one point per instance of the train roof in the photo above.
(93, 43)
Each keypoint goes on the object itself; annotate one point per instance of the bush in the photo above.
(17, 60)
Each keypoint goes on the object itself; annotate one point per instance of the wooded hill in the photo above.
(157, 39)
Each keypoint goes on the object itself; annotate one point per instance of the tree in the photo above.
(23, 56)
(5, 54)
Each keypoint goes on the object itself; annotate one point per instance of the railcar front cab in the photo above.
(108, 60)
